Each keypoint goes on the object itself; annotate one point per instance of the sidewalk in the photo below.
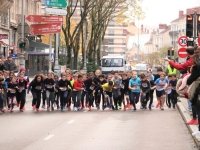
(187, 116)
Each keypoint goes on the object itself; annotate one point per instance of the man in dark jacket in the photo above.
(9, 64)
(1, 65)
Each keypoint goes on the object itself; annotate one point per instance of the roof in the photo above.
(179, 18)
(165, 30)
(37, 44)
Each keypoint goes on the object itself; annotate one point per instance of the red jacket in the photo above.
(78, 85)
(183, 66)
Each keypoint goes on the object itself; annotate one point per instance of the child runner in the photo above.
(134, 86)
(173, 83)
(107, 89)
(1, 94)
(36, 86)
(168, 92)
(49, 88)
(83, 93)
(116, 90)
(12, 90)
(161, 84)
(151, 90)
(145, 90)
(125, 91)
(56, 94)
(63, 84)
(76, 93)
(22, 85)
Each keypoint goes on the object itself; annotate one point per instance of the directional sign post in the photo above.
(182, 41)
(45, 28)
(41, 18)
(56, 3)
(182, 53)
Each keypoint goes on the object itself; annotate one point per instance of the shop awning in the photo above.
(6, 45)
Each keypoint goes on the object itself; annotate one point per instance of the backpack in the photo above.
(192, 88)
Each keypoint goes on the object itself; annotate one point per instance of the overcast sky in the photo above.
(164, 11)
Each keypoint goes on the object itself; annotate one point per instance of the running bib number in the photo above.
(38, 87)
(91, 87)
(21, 88)
(144, 84)
(13, 91)
(63, 89)
(122, 86)
(49, 86)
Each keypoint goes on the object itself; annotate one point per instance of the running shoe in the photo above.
(86, 105)
(116, 108)
(48, 108)
(141, 107)
(21, 110)
(17, 104)
(37, 109)
(113, 107)
(104, 107)
(61, 108)
(52, 108)
(162, 108)
(196, 122)
(68, 107)
(3, 110)
(152, 105)
(43, 106)
(64, 107)
(11, 111)
(149, 107)
(129, 105)
(124, 108)
(34, 107)
(120, 107)
(79, 108)
(196, 133)
(90, 108)
(157, 105)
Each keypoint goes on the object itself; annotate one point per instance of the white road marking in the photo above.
(48, 137)
(85, 111)
(70, 121)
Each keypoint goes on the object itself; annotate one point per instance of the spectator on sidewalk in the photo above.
(1, 65)
(9, 64)
(190, 51)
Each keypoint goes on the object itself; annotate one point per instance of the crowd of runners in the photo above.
(80, 91)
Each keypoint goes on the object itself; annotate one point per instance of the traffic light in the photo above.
(189, 26)
(198, 25)
(22, 45)
(170, 52)
(190, 43)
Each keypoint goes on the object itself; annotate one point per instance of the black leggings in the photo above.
(90, 98)
(63, 97)
(22, 98)
(82, 97)
(36, 98)
(198, 113)
(117, 99)
(151, 97)
(174, 97)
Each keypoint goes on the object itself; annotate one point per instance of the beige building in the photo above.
(10, 21)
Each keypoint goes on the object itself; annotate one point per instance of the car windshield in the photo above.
(112, 62)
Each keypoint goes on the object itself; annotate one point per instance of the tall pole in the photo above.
(138, 39)
(22, 61)
(195, 27)
(85, 44)
(56, 67)
(50, 51)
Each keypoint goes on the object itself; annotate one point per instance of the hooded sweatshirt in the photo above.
(135, 82)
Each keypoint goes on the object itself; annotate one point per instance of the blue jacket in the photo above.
(135, 83)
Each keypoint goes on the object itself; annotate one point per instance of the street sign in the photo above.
(182, 41)
(14, 56)
(54, 11)
(40, 18)
(3, 36)
(26, 29)
(56, 3)
(182, 52)
(25, 40)
(52, 57)
(45, 28)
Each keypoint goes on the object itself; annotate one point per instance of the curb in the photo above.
(186, 117)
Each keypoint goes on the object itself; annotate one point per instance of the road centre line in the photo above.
(70, 121)
(48, 137)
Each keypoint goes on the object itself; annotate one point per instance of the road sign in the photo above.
(3, 36)
(52, 57)
(40, 18)
(26, 29)
(182, 52)
(182, 41)
(56, 3)
(54, 11)
(14, 56)
(25, 40)
(45, 28)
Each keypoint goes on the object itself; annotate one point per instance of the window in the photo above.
(111, 32)
(112, 23)
(110, 49)
(110, 41)
(112, 62)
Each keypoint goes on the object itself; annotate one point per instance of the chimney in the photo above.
(181, 13)
(142, 27)
(162, 26)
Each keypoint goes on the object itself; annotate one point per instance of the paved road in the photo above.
(99, 130)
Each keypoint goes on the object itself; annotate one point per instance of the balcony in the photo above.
(173, 33)
(5, 5)
(109, 43)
